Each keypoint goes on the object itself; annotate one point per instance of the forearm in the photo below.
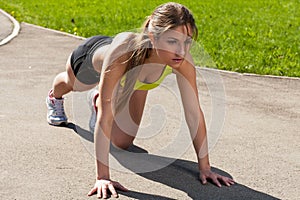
(199, 137)
(102, 148)
(201, 149)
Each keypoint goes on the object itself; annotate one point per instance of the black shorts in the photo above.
(81, 59)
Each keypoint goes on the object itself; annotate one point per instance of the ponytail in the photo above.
(140, 48)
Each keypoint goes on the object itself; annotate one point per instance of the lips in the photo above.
(177, 60)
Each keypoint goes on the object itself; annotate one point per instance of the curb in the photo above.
(55, 31)
(249, 74)
(15, 31)
(204, 68)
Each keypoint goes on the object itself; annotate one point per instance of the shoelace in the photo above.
(59, 108)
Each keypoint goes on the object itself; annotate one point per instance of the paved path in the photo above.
(259, 145)
(6, 26)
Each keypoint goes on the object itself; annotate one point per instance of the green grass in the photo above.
(254, 36)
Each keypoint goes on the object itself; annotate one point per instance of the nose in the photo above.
(180, 50)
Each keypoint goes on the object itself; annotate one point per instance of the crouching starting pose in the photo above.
(125, 68)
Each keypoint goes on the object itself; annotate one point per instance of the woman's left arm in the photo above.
(186, 79)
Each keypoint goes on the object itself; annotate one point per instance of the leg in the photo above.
(126, 124)
(66, 82)
(62, 84)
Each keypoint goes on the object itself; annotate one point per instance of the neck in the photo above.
(154, 59)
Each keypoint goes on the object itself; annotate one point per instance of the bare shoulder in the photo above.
(124, 37)
(119, 48)
(122, 40)
(118, 52)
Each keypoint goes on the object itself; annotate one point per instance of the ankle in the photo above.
(54, 95)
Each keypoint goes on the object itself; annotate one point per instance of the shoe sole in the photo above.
(58, 123)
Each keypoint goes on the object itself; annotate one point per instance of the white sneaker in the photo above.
(56, 113)
(92, 96)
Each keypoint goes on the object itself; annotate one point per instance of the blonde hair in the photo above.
(163, 18)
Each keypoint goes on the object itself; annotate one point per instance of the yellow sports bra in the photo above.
(148, 86)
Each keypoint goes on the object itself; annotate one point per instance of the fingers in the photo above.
(203, 179)
(212, 177)
(103, 187)
(109, 187)
(92, 191)
(231, 181)
(228, 181)
(216, 179)
(120, 187)
(104, 191)
(112, 190)
(99, 193)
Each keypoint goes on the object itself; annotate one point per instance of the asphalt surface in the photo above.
(257, 141)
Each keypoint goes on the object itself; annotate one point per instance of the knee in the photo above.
(121, 145)
(121, 142)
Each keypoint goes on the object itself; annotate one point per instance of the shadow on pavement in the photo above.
(175, 173)
(87, 135)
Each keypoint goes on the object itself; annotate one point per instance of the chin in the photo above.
(175, 65)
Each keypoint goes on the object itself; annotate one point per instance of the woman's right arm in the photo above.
(113, 68)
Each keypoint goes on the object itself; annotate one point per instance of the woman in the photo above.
(125, 68)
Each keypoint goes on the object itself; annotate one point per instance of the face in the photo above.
(173, 45)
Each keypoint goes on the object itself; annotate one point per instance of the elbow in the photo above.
(101, 124)
(192, 120)
(192, 115)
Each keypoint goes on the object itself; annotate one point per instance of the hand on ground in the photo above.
(217, 179)
(103, 186)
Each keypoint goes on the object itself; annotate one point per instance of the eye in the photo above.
(172, 41)
(188, 42)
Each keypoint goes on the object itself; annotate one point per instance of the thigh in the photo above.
(127, 122)
(74, 82)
